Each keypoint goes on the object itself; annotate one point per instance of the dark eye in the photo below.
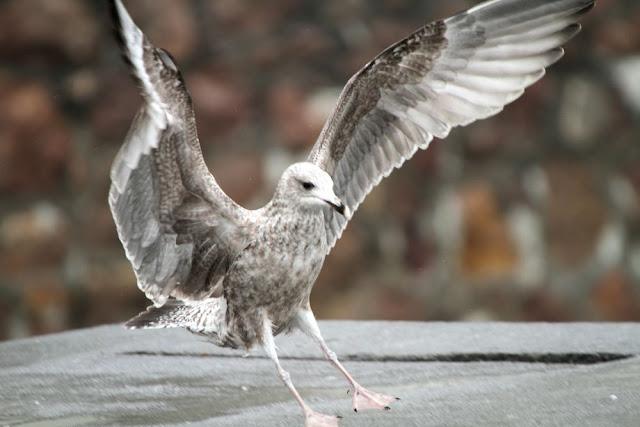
(308, 186)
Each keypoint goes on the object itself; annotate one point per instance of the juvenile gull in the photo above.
(241, 276)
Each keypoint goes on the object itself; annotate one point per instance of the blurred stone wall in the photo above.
(533, 215)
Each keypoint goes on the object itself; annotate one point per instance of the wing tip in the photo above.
(571, 30)
(118, 15)
(144, 61)
(589, 4)
(117, 11)
(556, 54)
(132, 43)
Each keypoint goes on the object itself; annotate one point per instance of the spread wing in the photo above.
(178, 228)
(448, 73)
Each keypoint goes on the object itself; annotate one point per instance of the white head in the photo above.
(310, 186)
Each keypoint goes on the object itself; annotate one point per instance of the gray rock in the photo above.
(463, 374)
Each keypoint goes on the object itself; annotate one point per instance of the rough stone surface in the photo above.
(463, 374)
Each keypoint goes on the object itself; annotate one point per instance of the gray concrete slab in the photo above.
(448, 374)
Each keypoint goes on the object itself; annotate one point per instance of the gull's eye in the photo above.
(308, 186)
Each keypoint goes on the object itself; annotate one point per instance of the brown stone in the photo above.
(585, 113)
(615, 298)
(344, 263)
(619, 36)
(402, 195)
(169, 24)
(288, 107)
(35, 28)
(419, 252)
(220, 103)
(9, 305)
(36, 143)
(391, 304)
(97, 227)
(427, 162)
(250, 17)
(46, 302)
(32, 238)
(82, 85)
(633, 176)
(308, 42)
(371, 300)
(543, 306)
(239, 173)
(574, 215)
(111, 292)
(118, 101)
(488, 252)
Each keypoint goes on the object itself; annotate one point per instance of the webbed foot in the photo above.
(366, 399)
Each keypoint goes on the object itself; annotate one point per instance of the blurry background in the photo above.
(533, 215)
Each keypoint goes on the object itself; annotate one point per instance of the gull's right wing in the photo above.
(448, 73)
(180, 231)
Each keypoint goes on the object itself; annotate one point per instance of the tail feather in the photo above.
(204, 317)
(166, 316)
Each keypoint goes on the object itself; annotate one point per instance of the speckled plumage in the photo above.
(240, 277)
(271, 277)
(274, 275)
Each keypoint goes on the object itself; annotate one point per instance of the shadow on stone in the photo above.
(545, 358)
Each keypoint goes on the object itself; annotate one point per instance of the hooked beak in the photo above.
(338, 206)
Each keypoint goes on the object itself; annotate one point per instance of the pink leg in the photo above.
(311, 417)
(362, 398)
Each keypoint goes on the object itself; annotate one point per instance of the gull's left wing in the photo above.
(448, 73)
(180, 231)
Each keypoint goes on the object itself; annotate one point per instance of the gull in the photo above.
(241, 277)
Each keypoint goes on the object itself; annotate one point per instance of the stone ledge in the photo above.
(462, 374)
